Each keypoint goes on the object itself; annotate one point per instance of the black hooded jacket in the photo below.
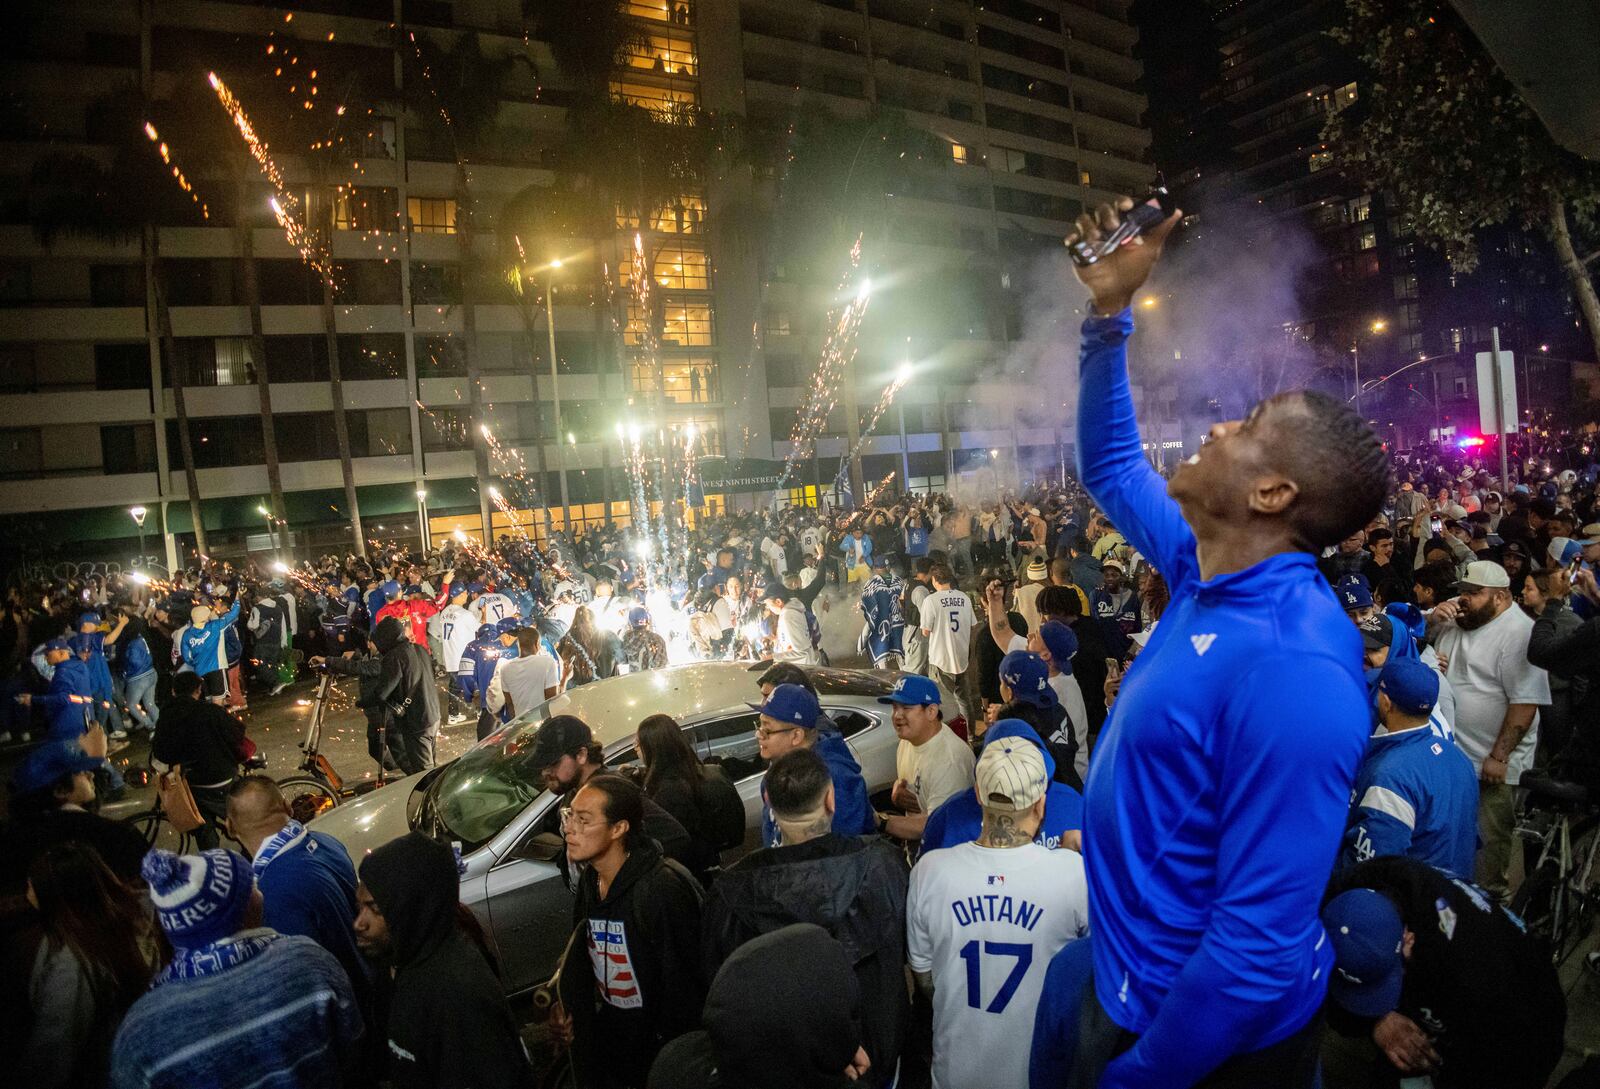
(783, 1013)
(855, 889)
(448, 1026)
(405, 684)
(644, 936)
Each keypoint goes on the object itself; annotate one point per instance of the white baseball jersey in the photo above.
(810, 540)
(947, 618)
(493, 608)
(986, 921)
(457, 628)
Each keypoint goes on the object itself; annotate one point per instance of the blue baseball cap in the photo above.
(49, 763)
(508, 625)
(415, 591)
(57, 643)
(1562, 551)
(1410, 685)
(1028, 678)
(92, 618)
(1368, 970)
(913, 690)
(792, 704)
(81, 643)
(391, 589)
(1354, 591)
(1016, 727)
(485, 630)
(1062, 643)
(881, 559)
(475, 587)
(638, 617)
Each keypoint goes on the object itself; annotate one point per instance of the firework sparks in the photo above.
(177, 172)
(285, 206)
(871, 498)
(837, 352)
(885, 399)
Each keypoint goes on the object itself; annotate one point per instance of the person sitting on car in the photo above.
(854, 887)
(566, 756)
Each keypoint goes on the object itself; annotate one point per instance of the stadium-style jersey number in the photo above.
(1022, 951)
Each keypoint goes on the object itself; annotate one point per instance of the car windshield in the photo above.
(478, 793)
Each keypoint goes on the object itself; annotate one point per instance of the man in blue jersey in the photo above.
(1416, 794)
(1212, 817)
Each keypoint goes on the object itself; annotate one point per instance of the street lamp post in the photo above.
(267, 514)
(905, 450)
(1355, 354)
(424, 530)
(555, 388)
(138, 514)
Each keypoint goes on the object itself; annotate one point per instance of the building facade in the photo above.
(1027, 110)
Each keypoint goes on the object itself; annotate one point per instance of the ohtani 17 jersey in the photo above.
(986, 921)
(493, 608)
(457, 628)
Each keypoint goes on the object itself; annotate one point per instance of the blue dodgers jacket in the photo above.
(852, 809)
(201, 646)
(70, 702)
(1219, 790)
(1416, 795)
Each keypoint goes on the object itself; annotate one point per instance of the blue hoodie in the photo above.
(201, 645)
(1218, 794)
(960, 818)
(1416, 795)
(852, 809)
(70, 702)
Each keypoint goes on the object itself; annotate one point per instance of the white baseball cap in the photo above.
(1011, 775)
(1484, 574)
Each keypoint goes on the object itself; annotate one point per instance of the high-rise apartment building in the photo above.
(1030, 108)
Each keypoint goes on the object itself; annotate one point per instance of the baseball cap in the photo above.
(1563, 550)
(415, 591)
(1410, 685)
(200, 614)
(88, 618)
(1589, 534)
(391, 589)
(1409, 617)
(560, 736)
(475, 587)
(1143, 637)
(81, 643)
(792, 704)
(1354, 591)
(1028, 678)
(57, 643)
(1484, 574)
(49, 763)
(485, 630)
(912, 690)
(1016, 727)
(508, 625)
(1367, 967)
(1037, 571)
(880, 559)
(1113, 563)
(638, 617)
(1062, 643)
(1011, 775)
(1515, 547)
(1377, 631)
(1456, 511)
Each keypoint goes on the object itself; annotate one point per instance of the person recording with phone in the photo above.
(1210, 962)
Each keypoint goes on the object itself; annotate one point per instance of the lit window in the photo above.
(668, 54)
(708, 433)
(676, 12)
(686, 215)
(1083, 177)
(960, 154)
(432, 215)
(1369, 239)
(1320, 160)
(679, 266)
(659, 100)
(683, 324)
(688, 381)
(1358, 210)
(1344, 96)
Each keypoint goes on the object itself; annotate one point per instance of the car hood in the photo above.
(370, 821)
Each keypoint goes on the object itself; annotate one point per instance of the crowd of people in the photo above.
(1208, 780)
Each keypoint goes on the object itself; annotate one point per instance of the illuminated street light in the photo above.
(263, 511)
(555, 262)
(1379, 326)
(422, 493)
(994, 453)
(138, 516)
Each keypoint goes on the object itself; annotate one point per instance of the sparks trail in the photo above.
(177, 172)
(837, 352)
(871, 498)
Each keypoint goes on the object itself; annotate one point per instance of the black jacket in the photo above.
(367, 668)
(644, 936)
(784, 1013)
(680, 799)
(855, 889)
(201, 736)
(1475, 982)
(449, 1026)
(405, 684)
(1573, 654)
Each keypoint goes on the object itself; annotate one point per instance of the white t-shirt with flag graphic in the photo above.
(457, 628)
(986, 921)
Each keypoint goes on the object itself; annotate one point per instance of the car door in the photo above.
(530, 905)
(730, 740)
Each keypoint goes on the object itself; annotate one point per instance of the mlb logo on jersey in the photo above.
(997, 879)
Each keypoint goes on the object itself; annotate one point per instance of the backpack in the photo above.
(721, 809)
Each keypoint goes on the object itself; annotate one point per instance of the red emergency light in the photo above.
(1470, 440)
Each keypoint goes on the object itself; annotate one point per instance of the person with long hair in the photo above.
(675, 780)
(589, 653)
(1153, 595)
(98, 954)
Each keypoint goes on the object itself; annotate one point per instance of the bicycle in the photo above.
(318, 787)
(157, 831)
(1558, 900)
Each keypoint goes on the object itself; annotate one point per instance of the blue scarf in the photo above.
(275, 844)
(216, 958)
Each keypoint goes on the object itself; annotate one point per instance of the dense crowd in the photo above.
(1208, 780)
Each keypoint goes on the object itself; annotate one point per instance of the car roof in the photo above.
(613, 708)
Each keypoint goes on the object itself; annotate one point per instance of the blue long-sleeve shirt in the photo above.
(201, 644)
(852, 809)
(1214, 806)
(1416, 795)
(69, 704)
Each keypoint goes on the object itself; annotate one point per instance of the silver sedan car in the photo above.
(493, 803)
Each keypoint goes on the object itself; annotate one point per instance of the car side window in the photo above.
(731, 742)
(850, 721)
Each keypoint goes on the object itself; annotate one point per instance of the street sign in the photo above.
(1508, 394)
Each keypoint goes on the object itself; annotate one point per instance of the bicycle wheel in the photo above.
(156, 831)
(308, 796)
(1536, 903)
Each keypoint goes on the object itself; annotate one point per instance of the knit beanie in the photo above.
(199, 898)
